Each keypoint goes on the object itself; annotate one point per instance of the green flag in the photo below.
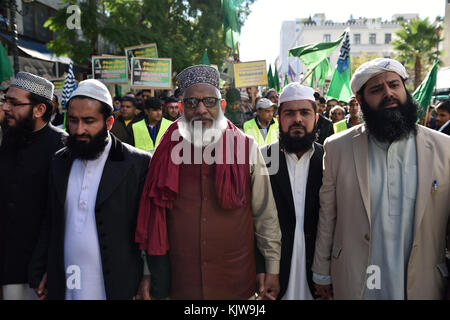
(286, 81)
(276, 80)
(205, 59)
(424, 92)
(321, 72)
(340, 83)
(231, 24)
(270, 78)
(6, 70)
(313, 54)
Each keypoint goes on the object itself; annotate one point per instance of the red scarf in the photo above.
(161, 188)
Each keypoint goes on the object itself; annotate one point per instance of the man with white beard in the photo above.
(205, 198)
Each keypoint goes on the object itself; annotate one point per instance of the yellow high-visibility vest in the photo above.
(142, 139)
(251, 128)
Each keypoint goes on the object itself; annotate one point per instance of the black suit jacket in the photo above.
(116, 211)
(324, 129)
(282, 192)
(23, 193)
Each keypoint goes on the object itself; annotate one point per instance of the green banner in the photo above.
(142, 51)
(110, 70)
(151, 73)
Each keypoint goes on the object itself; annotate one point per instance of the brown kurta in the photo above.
(212, 249)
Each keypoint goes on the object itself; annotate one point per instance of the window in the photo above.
(327, 37)
(357, 38)
(387, 38)
(372, 38)
(34, 19)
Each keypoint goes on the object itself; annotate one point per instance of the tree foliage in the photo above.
(416, 46)
(182, 29)
(357, 61)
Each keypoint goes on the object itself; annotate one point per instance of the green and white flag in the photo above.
(424, 92)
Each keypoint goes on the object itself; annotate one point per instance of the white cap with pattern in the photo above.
(34, 84)
(373, 68)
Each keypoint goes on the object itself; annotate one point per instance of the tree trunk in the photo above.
(417, 72)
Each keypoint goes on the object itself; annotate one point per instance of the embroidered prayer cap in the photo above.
(373, 68)
(198, 74)
(34, 84)
(295, 91)
(265, 103)
(94, 89)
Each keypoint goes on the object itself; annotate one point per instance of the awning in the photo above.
(36, 49)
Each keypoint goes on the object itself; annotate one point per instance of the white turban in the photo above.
(295, 91)
(372, 68)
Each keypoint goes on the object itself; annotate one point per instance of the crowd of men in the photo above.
(196, 195)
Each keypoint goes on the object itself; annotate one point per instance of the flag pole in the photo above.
(307, 75)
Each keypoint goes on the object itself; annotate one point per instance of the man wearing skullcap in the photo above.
(295, 184)
(263, 127)
(86, 250)
(385, 198)
(29, 143)
(205, 204)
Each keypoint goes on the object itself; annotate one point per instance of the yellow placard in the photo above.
(250, 74)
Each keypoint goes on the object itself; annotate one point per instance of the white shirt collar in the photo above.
(308, 154)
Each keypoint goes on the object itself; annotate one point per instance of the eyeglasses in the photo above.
(14, 104)
(192, 103)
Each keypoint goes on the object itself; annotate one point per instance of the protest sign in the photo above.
(110, 69)
(250, 74)
(151, 73)
(149, 50)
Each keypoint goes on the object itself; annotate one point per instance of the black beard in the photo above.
(87, 150)
(392, 124)
(20, 134)
(296, 144)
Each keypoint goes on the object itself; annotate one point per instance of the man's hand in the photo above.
(260, 285)
(144, 289)
(271, 286)
(41, 291)
(325, 292)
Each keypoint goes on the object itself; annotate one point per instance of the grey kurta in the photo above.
(393, 187)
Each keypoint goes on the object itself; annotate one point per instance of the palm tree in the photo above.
(416, 45)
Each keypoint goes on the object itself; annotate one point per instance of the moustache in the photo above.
(201, 118)
(297, 126)
(388, 101)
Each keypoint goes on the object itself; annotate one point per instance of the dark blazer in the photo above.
(282, 192)
(23, 199)
(324, 129)
(116, 210)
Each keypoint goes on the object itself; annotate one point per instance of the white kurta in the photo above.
(81, 246)
(298, 169)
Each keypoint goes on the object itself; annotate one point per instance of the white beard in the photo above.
(201, 137)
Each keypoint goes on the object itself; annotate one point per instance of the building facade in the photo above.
(370, 36)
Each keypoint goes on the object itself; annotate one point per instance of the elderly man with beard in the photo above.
(385, 198)
(205, 204)
(29, 143)
(295, 187)
(86, 250)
